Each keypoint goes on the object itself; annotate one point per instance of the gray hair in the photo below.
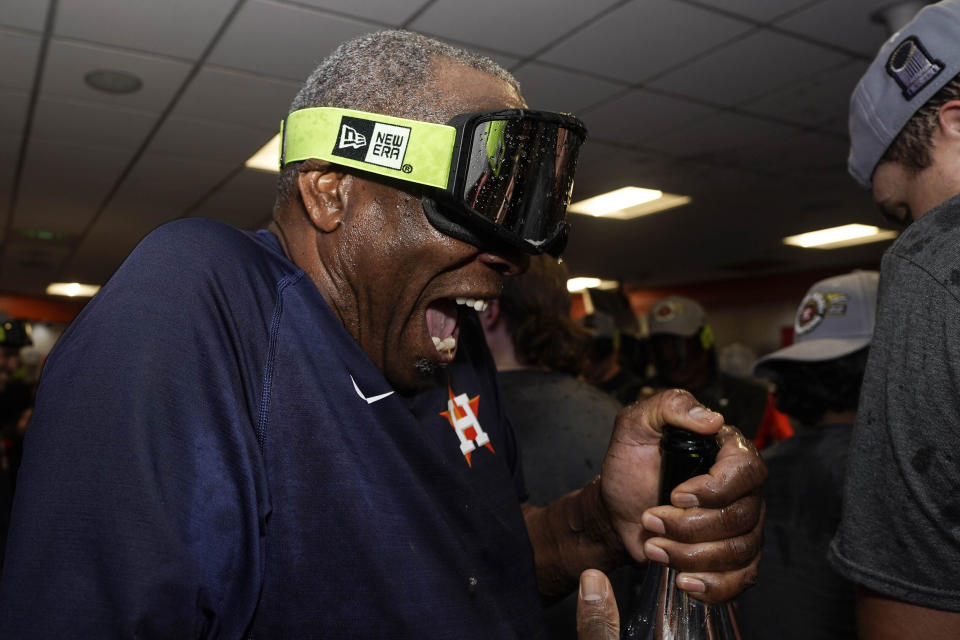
(382, 72)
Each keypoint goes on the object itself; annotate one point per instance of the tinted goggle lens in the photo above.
(518, 175)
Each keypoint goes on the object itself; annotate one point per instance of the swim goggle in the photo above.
(493, 177)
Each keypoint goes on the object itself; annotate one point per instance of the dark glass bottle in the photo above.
(660, 610)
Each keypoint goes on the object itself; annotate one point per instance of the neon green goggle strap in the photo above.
(398, 148)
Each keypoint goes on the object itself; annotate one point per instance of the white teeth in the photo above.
(447, 344)
(476, 304)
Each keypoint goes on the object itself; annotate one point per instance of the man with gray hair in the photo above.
(297, 432)
(899, 537)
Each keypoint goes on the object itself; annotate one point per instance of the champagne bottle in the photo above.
(660, 610)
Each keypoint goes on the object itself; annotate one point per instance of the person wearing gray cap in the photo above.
(683, 352)
(818, 381)
(899, 536)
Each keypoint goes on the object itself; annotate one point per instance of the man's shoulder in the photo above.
(938, 228)
(202, 248)
(198, 238)
(922, 259)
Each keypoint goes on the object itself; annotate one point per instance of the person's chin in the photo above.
(426, 375)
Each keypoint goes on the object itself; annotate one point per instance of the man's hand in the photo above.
(711, 531)
(597, 614)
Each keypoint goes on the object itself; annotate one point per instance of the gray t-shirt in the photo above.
(563, 427)
(900, 527)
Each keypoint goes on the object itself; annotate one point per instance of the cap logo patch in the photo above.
(816, 307)
(668, 311)
(372, 142)
(912, 67)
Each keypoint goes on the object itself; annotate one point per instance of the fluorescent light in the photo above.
(72, 289)
(837, 237)
(267, 158)
(581, 284)
(628, 202)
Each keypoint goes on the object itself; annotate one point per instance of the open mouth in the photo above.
(443, 323)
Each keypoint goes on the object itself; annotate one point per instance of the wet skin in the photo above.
(382, 266)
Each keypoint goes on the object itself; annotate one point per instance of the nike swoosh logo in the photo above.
(371, 399)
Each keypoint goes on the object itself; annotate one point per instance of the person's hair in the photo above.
(807, 390)
(536, 308)
(911, 147)
(386, 72)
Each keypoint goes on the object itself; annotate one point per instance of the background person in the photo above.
(818, 380)
(899, 535)
(297, 432)
(605, 368)
(563, 424)
(684, 355)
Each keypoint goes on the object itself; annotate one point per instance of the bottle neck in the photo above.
(684, 454)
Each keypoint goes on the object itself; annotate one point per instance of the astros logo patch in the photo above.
(462, 414)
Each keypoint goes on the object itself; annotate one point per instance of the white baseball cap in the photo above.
(677, 316)
(835, 319)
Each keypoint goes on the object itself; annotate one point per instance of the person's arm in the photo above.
(883, 618)
(569, 536)
(711, 532)
(141, 494)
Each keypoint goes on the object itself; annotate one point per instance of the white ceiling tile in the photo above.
(92, 124)
(245, 202)
(69, 62)
(30, 267)
(506, 25)
(844, 23)
(395, 12)
(602, 167)
(112, 237)
(282, 40)
(718, 133)
(99, 254)
(760, 10)
(235, 97)
(171, 183)
(816, 101)
(553, 89)
(641, 39)
(9, 152)
(757, 64)
(24, 14)
(208, 140)
(13, 111)
(639, 115)
(20, 53)
(63, 184)
(34, 255)
(173, 27)
(802, 152)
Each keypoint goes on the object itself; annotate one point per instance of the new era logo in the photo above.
(351, 138)
(372, 142)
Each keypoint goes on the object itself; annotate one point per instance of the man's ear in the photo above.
(949, 119)
(319, 185)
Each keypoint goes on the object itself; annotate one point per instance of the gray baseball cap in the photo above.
(835, 318)
(912, 65)
(677, 316)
